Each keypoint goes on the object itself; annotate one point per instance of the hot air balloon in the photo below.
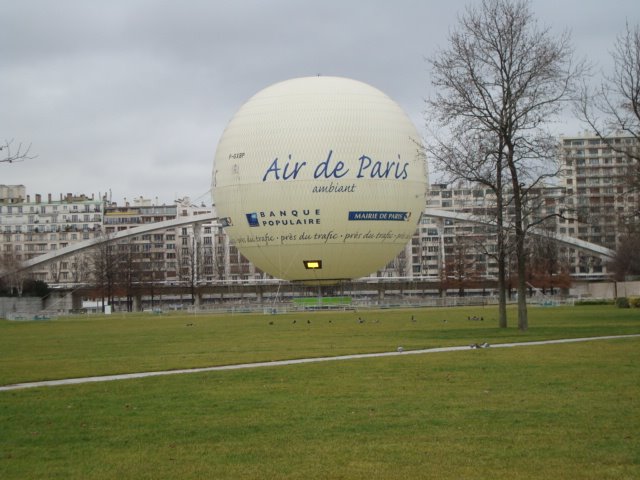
(320, 179)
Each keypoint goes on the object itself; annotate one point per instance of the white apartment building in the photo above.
(192, 254)
(32, 226)
(598, 200)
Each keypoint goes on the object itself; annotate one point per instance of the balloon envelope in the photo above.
(320, 179)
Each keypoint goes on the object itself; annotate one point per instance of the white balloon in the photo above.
(320, 179)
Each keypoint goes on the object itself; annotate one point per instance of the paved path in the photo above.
(126, 376)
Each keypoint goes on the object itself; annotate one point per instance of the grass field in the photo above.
(556, 411)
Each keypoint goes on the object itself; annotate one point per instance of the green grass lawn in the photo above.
(555, 411)
(100, 345)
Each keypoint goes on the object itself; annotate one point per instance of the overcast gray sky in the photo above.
(132, 96)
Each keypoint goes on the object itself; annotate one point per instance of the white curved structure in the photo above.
(567, 240)
(132, 232)
(320, 179)
(209, 217)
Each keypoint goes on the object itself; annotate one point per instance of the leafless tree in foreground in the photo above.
(502, 80)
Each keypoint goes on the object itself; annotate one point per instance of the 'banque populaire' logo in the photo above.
(284, 217)
(252, 218)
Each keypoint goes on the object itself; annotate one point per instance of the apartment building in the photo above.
(31, 226)
(187, 255)
(148, 257)
(590, 201)
(599, 204)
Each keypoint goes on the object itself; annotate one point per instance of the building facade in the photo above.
(590, 201)
(32, 226)
(600, 205)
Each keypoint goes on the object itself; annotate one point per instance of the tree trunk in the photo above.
(502, 292)
(523, 320)
(502, 271)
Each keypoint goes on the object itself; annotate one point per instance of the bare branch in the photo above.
(7, 155)
(613, 108)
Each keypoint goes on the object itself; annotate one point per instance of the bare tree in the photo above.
(104, 270)
(469, 156)
(12, 275)
(10, 155)
(55, 269)
(220, 257)
(129, 271)
(502, 80)
(626, 261)
(189, 263)
(459, 265)
(613, 108)
(79, 267)
(547, 269)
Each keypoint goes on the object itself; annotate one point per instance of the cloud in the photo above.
(133, 95)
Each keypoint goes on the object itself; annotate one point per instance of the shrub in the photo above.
(595, 301)
(622, 302)
(35, 288)
(634, 302)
